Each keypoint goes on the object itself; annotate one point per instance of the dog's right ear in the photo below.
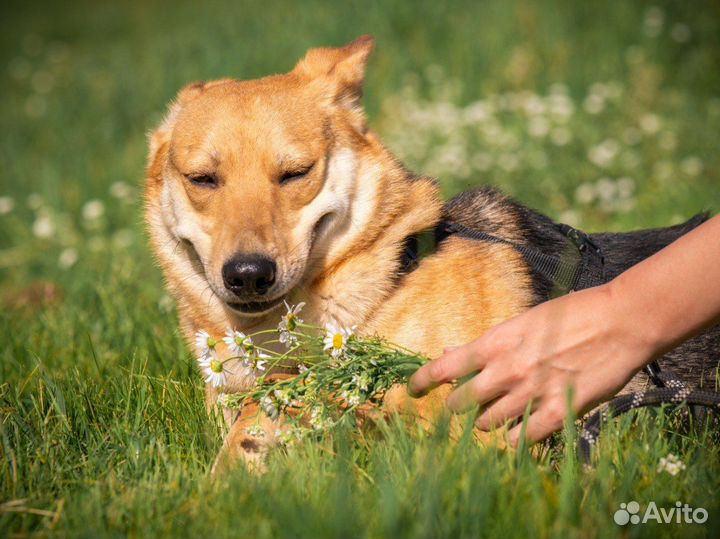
(160, 136)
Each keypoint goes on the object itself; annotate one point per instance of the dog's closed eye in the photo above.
(203, 180)
(295, 174)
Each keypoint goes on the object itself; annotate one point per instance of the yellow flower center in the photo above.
(238, 340)
(211, 342)
(216, 366)
(337, 340)
(291, 324)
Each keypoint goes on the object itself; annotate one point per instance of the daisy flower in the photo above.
(336, 339)
(288, 324)
(215, 371)
(256, 362)
(205, 344)
(235, 341)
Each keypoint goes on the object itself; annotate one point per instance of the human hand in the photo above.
(585, 340)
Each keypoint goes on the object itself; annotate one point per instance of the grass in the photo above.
(102, 424)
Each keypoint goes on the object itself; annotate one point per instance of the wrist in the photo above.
(633, 323)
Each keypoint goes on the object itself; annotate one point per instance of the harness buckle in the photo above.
(582, 241)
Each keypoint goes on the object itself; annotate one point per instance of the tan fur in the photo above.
(336, 234)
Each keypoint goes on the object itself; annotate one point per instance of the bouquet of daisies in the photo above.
(337, 371)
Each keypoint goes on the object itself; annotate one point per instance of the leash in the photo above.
(587, 271)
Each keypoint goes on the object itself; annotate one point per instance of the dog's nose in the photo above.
(249, 274)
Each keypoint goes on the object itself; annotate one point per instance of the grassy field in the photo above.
(605, 115)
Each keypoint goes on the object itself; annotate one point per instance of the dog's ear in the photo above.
(343, 69)
(160, 136)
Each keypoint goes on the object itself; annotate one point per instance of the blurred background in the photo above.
(602, 114)
(605, 115)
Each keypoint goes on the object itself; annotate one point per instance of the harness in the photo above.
(586, 271)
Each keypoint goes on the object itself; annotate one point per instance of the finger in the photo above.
(541, 424)
(506, 408)
(454, 363)
(478, 390)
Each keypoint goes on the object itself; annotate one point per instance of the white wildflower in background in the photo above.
(205, 344)
(664, 170)
(585, 193)
(288, 324)
(7, 205)
(570, 217)
(560, 106)
(44, 227)
(650, 123)
(336, 339)
(68, 257)
(165, 303)
(606, 189)
(538, 126)
(235, 341)
(671, 464)
(625, 187)
(560, 136)
(692, 166)
(120, 190)
(93, 210)
(604, 153)
(653, 22)
(594, 104)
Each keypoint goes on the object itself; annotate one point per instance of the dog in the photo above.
(264, 191)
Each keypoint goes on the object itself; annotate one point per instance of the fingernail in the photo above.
(409, 387)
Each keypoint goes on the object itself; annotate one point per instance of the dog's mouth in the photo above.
(255, 307)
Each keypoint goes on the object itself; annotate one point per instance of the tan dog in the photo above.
(271, 189)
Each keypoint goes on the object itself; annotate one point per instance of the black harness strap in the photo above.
(564, 274)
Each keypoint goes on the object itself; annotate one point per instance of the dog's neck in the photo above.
(353, 284)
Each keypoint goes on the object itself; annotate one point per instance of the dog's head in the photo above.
(253, 181)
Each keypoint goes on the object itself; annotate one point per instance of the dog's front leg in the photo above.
(252, 433)
(250, 437)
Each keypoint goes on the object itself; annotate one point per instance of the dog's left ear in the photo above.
(342, 69)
